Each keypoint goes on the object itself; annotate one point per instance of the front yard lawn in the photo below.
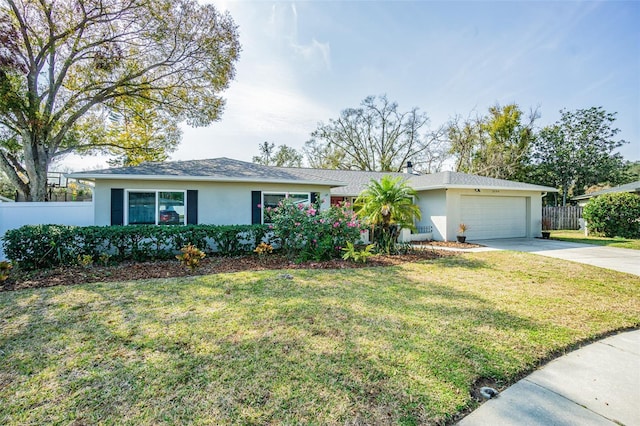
(387, 345)
(578, 237)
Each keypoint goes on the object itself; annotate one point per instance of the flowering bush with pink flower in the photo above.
(306, 233)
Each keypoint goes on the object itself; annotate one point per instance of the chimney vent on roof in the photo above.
(447, 177)
(409, 168)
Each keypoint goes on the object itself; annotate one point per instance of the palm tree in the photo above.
(389, 204)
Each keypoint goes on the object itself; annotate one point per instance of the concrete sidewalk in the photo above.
(598, 384)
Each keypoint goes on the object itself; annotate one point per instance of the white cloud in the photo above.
(221, 5)
(283, 23)
(267, 100)
(303, 62)
(254, 113)
(272, 108)
(315, 52)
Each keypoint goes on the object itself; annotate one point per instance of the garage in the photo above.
(489, 217)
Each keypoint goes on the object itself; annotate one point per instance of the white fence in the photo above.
(15, 215)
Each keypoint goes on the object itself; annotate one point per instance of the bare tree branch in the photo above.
(375, 136)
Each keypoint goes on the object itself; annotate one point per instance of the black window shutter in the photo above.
(117, 206)
(192, 207)
(256, 212)
(314, 197)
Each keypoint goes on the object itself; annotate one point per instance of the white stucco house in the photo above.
(223, 191)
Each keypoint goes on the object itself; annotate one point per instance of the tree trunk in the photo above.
(565, 193)
(37, 186)
(36, 164)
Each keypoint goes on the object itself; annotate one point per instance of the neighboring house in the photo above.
(633, 187)
(225, 191)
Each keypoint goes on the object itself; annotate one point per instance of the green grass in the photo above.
(397, 345)
(578, 237)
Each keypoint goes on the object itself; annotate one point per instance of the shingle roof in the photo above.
(628, 187)
(354, 180)
(220, 169)
(344, 182)
(463, 180)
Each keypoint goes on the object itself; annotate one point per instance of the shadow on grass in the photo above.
(600, 241)
(460, 262)
(371, 346)
(579, 237)
(365, 349)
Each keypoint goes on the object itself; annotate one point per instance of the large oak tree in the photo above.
(73, 72)
(376, 136)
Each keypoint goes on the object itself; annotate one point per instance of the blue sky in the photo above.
(303, 62)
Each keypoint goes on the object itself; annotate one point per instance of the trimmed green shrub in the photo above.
(47, 246)
(614, 215)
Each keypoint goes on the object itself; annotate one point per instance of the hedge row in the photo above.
(614, 215)
(46, 246)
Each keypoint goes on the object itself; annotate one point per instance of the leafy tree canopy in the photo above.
(283, 156)
(287, 157)
(141, 135)
(631, 172)
(577, 152)
(496, 145)
(116, 76)
(6, 188)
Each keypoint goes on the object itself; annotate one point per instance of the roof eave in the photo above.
(583, 197)
(595, 194)
(485, 187)
(94, 177)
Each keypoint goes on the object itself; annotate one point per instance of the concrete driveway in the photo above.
(617, 259)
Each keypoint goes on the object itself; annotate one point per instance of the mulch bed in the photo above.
(172, 268)
(451, 244)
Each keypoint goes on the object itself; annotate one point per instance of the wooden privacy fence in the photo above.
(560, 217)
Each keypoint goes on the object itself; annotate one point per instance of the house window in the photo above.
(156, 207)
(272, 199)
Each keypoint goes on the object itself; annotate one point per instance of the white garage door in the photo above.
(494, 217)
